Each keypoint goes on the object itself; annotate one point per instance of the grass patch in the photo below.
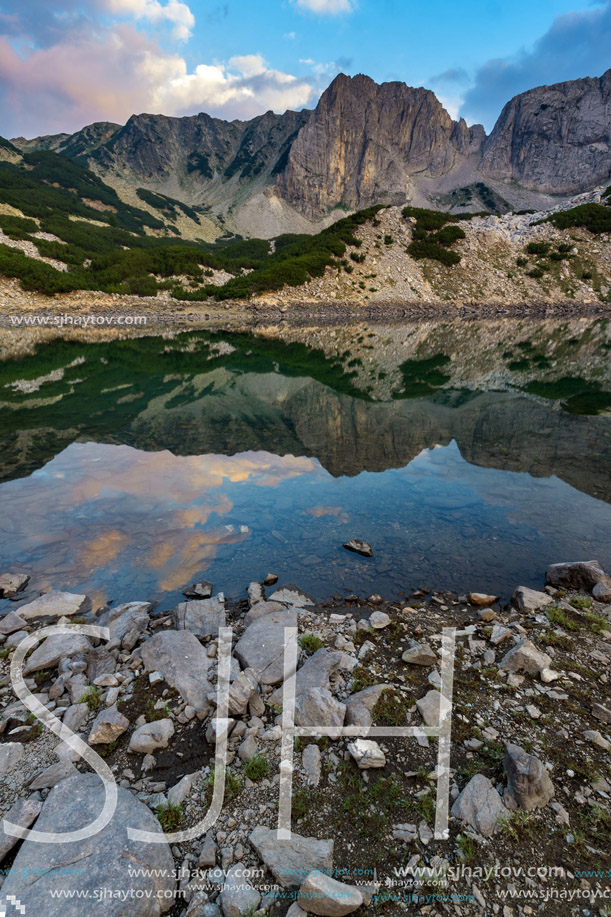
(257, 768)
(169, 817)
(92, 697)
(390, 709)
(151, 715)
(310, 643)
(362, 678)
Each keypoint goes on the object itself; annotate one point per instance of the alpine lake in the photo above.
(469, 454)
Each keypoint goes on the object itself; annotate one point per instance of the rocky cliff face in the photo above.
(555, 139)
(363, 144)
(364, 141)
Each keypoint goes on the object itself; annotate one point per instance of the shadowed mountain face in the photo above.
(133, 467)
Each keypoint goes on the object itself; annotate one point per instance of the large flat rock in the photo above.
(182, 661)
(55, 605)
(314, 673)
(291, 860)
(261, 646)
(125, 618)
(202, 617)
(108, 859)
(55, 648)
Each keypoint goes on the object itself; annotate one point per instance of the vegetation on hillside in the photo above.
(432, 237)
(594, 217)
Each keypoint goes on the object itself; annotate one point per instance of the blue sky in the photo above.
(63, 65)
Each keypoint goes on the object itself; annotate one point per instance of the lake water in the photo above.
(469, 457)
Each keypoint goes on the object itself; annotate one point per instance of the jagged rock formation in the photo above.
(555, 139)
(364, 141)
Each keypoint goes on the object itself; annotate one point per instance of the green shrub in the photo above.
(92, 697)
(17, 228)
(538, 248)
(521, 261)
(311, 643)
(257, 768)
(448, 235)
(420, 250)
(594, 217)
(169, 817)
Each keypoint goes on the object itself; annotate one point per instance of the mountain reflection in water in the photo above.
(132, 478)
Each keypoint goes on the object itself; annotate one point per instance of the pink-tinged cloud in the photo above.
(108, 74)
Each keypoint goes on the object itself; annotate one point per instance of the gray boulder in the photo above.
(238, 896)
(528, 782)
(12, 583)
(433, 707)
(125, 618)
(261, 646)
(203, 617)
(318, 707)
(581, 574)
(290, 861)
(97, 862)
(11, 754)
(242, 689)
(23, 813)
(529, 600)
(108, 725)
(183, 662)
(525, 657)
(320, 894)
(480, 806)
(359, 706)
(200, 590)
(314, 673)
(420, 654)
(55, 605)
(54, 648)
(53, 775)
(11, 623)
(150, 737)
(602, 592)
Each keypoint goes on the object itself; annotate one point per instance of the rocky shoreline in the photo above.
(530, 723)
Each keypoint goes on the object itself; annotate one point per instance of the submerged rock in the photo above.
(358, 546)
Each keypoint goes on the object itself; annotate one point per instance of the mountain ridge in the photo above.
(365, 143)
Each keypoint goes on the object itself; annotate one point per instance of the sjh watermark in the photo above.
(70, 319)
(441, 731)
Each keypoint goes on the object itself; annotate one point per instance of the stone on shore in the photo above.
(433, 707)
(525, 657)
(261, 646)
(480, 806)
(108, 725)
(54, 648)
(602, 592)
(322, 895)
(150, 737)
(202, 617)
(481, 599)
(359, 706)
(420, 654)
(55, 605)
(12, 583)
(11, 623)
(23, 813)
(53, 775)
(200, 590)
(358, 546)
(367, 754)
(580, 574)
(11, 754)
(125, 618)
(318, 707)
(529, 600)
(290, 861)
(292, 595)
(314, 673)
(94, 862)
(183, 662)
(528, 782)
(238, 896)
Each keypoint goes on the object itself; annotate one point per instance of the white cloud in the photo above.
(174, 12)
(327, 7)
